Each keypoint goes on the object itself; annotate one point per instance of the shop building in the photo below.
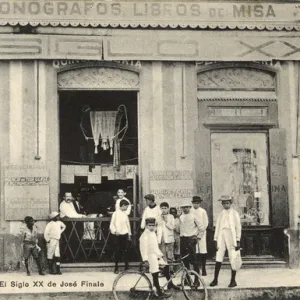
(205, 96)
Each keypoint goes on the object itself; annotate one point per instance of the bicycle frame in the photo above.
(147, 286)
(182, 268)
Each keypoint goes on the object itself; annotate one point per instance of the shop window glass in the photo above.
(240, 169)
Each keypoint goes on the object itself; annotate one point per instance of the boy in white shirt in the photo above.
(120, 228)
(151, 211)
(121, 196)
(191, 232)
(227, 236)
(165, 233)
(52, 236)
(152, 255)
(173, 212)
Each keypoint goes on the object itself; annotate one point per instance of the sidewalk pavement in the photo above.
(258, 283)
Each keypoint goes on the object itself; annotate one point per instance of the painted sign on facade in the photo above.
(26, 191)
(138, 12)
(174, 187)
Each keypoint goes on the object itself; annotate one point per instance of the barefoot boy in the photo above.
(30, 246)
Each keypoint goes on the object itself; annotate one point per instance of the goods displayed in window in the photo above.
(239, 169)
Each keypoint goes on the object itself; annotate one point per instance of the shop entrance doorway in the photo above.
(98, 156)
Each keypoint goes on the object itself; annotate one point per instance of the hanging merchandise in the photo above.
(105, 127)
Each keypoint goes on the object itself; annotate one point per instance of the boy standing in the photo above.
(173, 212)
(52, 236)
(120, 228)
(151, 211)
(191, 232)
(165, 232)
(201, 247)
(151, 254)
(227, 236)
(30, 246)
(121, 196)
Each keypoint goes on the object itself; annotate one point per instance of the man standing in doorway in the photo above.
(227, 236)
(201, 247)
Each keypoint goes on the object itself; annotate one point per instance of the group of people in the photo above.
(70, 207)
(166, 236)
(52, 236)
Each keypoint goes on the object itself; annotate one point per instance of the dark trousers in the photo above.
(121, 246)
(188, 246)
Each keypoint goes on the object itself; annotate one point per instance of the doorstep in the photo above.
(249, 262)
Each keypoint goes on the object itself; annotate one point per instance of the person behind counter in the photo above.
(67, 208)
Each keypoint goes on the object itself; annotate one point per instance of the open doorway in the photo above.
(87, 168)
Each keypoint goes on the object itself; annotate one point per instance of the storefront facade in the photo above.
(212, 91)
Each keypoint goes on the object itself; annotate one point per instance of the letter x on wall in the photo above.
(260, 49)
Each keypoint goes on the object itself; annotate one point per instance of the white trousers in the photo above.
(201, 247)
(225, 242)
(53, 249)
(155, 263)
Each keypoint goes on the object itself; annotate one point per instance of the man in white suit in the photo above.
(201, 247)
(227, 236)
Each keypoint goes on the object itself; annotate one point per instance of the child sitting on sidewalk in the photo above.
(152, 255)
(52, 236)
(120, 228)
(30, 246)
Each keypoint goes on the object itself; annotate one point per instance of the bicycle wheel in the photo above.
(193, 286)
(132, 284)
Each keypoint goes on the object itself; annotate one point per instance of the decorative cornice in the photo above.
(241, 125)
(237, 99)
(164, 25)
(98, 78)
(235, 78)
(154, 14)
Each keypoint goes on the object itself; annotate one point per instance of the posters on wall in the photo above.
(95, 176)
(69, 172)
(26, 190)
(174, 187)
(239, 169)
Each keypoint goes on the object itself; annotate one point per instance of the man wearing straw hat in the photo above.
(227, 236)
(191, 231)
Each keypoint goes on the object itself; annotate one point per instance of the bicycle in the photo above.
(135, 284)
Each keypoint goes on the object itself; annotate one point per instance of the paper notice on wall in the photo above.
(95, 171)
(67, 178)
(67, 169)
(108, 171)
(173, 186)
(81, 170)
(94, 179)
(131, 171)
(26, 190)
(121, 174)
